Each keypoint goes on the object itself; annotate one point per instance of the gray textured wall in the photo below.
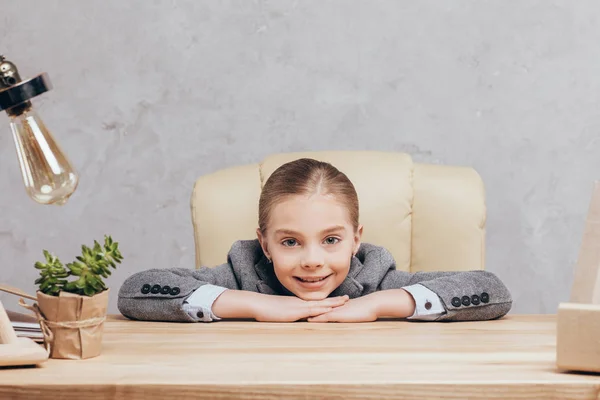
(150, 95)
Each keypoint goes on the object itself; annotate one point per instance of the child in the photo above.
(308, 263)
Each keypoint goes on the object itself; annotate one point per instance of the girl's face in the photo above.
(311, 242)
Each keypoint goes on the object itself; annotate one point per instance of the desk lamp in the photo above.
(47, 174)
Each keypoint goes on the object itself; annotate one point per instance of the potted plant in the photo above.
(72, 300)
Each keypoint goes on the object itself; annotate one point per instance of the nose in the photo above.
(312, 259)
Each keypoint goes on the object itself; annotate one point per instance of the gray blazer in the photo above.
(158, 294)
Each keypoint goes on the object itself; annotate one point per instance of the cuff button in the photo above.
(175, 291)
(456, 302)
(485, 297)
(466, 301)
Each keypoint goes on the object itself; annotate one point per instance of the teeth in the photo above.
(311, 280)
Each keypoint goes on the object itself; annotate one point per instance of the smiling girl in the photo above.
(308, 263)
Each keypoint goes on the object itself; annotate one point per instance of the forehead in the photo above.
(308, 214)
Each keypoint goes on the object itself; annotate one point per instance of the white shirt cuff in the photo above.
(428, 305)
(199, 304)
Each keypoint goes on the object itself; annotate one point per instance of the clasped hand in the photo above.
(333, 309)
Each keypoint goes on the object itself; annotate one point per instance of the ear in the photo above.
(357, 239)
(263, 243)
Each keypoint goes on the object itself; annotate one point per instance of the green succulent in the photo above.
(89, 268)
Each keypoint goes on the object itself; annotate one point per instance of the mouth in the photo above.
(312, 283)
(312, 279)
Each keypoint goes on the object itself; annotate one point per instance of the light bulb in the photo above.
(47, 174)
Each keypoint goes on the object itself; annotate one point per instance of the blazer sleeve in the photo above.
(158, 294)
(466, 296)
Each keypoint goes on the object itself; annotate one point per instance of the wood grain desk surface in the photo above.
(512, 357)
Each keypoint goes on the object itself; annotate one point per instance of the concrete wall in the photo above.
(150, 95)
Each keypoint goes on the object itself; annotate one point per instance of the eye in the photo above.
(332, 240)
(289, 242)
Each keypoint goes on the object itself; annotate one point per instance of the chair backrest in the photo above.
(430, 217)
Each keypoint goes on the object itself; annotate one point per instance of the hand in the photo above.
(269, 308)
(395, 303)
(361, 309)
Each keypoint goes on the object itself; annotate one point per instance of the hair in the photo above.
(306, 176)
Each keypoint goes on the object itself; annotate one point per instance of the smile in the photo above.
(311, 279)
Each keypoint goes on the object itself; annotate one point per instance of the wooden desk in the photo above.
(512, 357)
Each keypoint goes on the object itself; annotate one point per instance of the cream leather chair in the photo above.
(430, 217)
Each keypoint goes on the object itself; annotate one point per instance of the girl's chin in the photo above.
(311, 296)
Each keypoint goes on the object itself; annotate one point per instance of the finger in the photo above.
(318, 310)
(334, 301)
(319, 318)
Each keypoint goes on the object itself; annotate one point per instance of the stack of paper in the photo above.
(25, 325)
